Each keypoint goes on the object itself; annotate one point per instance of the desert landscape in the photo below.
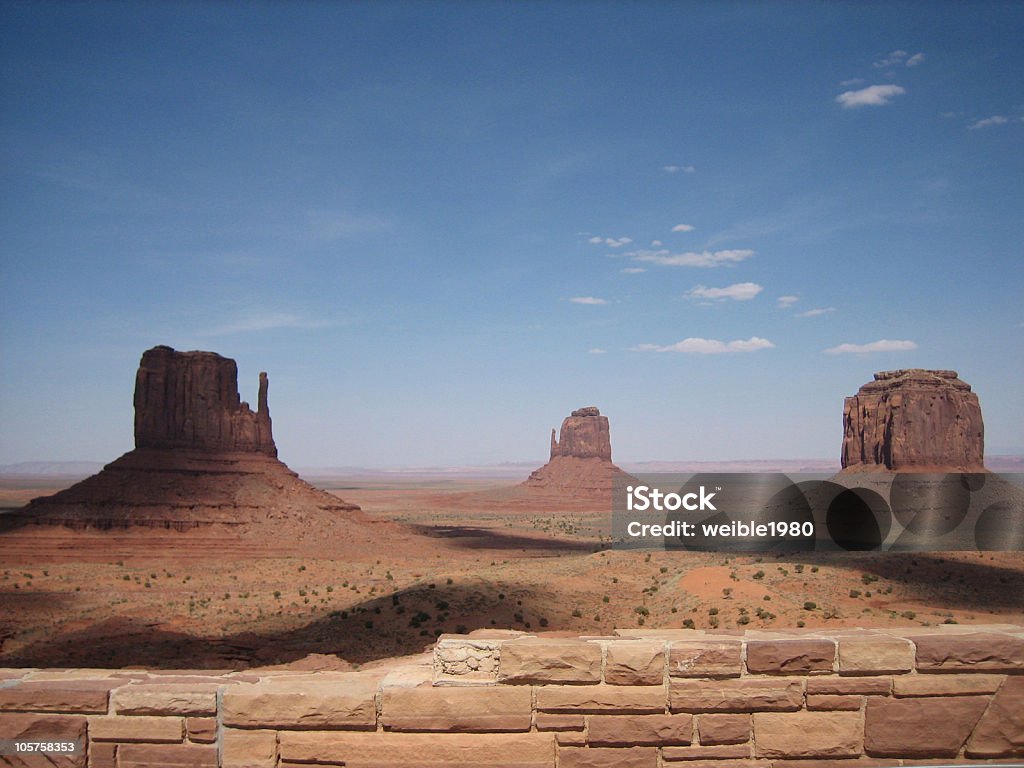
(201, 549)
(511, 384)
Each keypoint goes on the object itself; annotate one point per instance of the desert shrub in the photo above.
(810, 605)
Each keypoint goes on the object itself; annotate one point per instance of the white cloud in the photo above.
(882, 345)
(736, 292)
(692, 258)
(817, 311)
(989, 121)
(896, 57)
(698, 346)
(873, 96)
(899, 59)
(590, 300)
(683, 228)
(264, 322)
(785, 302)
(597, 351)
(679, 169)
(656, 243)
(633, 270)
(611, 242)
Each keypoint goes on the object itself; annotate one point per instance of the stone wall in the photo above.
(640, 699)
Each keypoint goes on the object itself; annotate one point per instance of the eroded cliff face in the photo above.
(581, 457)
(584, 435)
(190, 400)
(202, 458)
(914, 419)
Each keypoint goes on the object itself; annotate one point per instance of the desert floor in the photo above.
(439, 556)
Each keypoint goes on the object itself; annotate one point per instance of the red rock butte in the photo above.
(202, 457)
(914, 420)
(581, 456)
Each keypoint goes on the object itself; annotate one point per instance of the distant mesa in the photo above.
(914, 420)
(581, 456)
(202, 457)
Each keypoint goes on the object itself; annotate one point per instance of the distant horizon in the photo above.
(90, 466)
(440, 227)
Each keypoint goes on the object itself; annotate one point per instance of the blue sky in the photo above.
(441, 227)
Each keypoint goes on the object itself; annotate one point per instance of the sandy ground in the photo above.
(439, 558)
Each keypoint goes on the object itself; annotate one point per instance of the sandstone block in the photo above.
(705, 658)
(533, 660)
(387, 750)
(103, 754)
(547, 721)
(77, 696)
(925, 727)
(164, 699)
(599, 757)
(827, 701)
(600, 698)
(249, 749)
(201, 729)
(485, 708)
(635, 663)
(639, 730)
(790, 656)
(945, 685)
(986, 651)
(570, 738)
(723, 729)
(872, 655)
(1000, 732)
(141, 728)
(166, 756)
(290, 704)
(31, 727)
(747, 695)
(727, 753)
(864, 686)
(808, 734)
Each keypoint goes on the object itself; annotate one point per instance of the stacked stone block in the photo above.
(642, 699)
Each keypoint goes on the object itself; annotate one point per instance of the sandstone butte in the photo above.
(914, 420)
(581, 457)
(202, 457)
